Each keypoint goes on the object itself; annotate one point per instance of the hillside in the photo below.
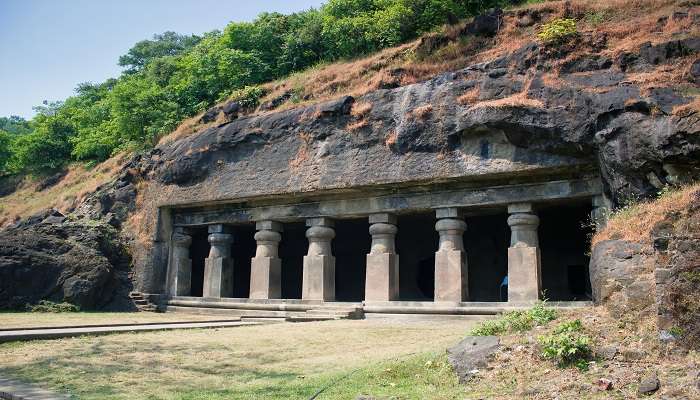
(620, 27)
(594, 103)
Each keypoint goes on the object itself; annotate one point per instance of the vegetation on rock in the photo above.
(173, 76)
(557, 30)
(567, 345)
(46, 306)
(516, 321)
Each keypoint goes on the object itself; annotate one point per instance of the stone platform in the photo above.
(61, 332)
(294, 308)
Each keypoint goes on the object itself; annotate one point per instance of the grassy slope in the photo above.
(636, 221)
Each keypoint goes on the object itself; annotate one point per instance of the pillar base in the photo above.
(450, 276)
(318, 278)
(382, 282)
(265, 278)
(181, 283)
(524, 275)
(218, 277)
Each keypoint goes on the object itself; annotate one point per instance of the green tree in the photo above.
(47, 147)
(162, 45)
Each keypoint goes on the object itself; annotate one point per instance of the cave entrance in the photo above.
(564, 234)
(292, 250)
(350, 247)
(242, 250)
(199, 250)
(486, 242)
(416, 243)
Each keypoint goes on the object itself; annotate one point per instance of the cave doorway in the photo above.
(199, 250)
(350, 247)
(292, 250)
(564, 233)
(242, 250)
(486, 242)
(416, 243)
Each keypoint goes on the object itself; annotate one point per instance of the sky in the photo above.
(48, 47)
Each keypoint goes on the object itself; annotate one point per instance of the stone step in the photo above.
(329, 312)
(345, 313)
(269, 320)
(311, 318)
(139, 302)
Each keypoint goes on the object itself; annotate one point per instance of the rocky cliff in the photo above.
(573, 105)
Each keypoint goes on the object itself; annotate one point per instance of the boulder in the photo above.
(54, 259)
(649, 384)
(471, 354)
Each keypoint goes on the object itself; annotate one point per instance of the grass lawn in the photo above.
(29, 320)
(279, 361)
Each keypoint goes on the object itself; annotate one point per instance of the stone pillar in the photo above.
(524, 270)
(319, 264)
(382, 279)
(600, 212)
(266, 267)
(450, 259)
(218, 267)
(180, 283)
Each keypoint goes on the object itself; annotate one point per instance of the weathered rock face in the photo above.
(591, 115)
(622, 277)
(518, 116)
(678, 277)
(50, 258)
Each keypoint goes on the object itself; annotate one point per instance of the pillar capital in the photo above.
(267, 236)
(451, 224)
(268, 225)
(448, 212)
(382, 218)
(220, 239)
(524, 221)
(520, 208)
(318, 233)
(219, 228)
(181, 238)
(320, 221)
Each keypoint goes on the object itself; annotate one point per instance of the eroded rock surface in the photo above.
(50, 258)
(472, 354)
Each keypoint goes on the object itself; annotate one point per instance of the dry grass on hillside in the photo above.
(635, 222)
(68, 192)
(626, 23)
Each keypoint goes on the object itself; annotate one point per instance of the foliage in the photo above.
(517, 321)
(162, 45)
(567, 345)
(557, 30)
(46, 306)
(172, 76)
(248, 97)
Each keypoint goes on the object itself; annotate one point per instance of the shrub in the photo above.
(47, 306)
(490, 328)
(517, 321)
(567, 345)
(248, 97)
(557, 30)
